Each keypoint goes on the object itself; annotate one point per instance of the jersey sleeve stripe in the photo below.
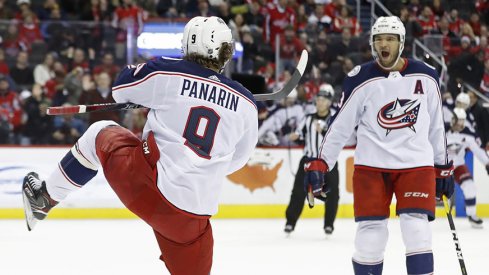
(135, 83)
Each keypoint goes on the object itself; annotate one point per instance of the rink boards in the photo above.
(261, 189)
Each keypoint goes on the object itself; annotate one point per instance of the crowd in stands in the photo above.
(68, 52)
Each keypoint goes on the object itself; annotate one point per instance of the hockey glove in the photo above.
(314, 180)
(444, 180)
(487, 168)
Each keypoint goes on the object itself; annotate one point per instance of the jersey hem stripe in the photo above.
(389, 170)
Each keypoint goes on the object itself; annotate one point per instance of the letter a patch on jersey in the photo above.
(418, 89)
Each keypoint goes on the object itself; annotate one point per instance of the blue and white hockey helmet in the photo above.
(462, 100)
(388, 25)
(205, 35)
(459, 117)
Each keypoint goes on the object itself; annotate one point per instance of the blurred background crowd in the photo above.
(68, 52)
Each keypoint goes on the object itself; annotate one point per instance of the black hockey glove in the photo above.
(314, 184)
(487, 168)
(444, 180)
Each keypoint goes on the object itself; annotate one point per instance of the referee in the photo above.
(312, 130)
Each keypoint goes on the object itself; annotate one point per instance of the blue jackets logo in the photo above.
(401, 113)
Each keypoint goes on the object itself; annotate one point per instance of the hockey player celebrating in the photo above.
(459, 139)
(396, 105)
(173, 177)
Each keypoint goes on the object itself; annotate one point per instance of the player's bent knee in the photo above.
(370, 241)
(416, 232)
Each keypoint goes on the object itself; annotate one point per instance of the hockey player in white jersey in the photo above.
(201, 127)
(401, 149)
(461, 101)
(460, 139)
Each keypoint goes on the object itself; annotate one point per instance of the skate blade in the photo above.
(477, 226)
(29, 216)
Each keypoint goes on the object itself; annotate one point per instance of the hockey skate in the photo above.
(328, 230)
(288, 228)
(475, 222)
(37, 201)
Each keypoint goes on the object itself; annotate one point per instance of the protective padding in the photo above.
(86, 143)
(469, 189)
(370, 241)
(416, 232)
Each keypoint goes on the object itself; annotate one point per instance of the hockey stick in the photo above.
(282, 93)
(458, 249)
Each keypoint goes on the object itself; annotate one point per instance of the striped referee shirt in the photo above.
(310, 135)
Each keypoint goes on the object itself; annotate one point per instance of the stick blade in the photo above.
(291, 84)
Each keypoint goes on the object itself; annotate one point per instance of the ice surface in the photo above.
(96, 247)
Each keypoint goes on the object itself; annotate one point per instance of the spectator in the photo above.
(67, 128)
(475, 23)
(278, 18)
(100, 92)
(29, 31)
(127, 17)
(455, 22)
(25, 10)
(320, 19)
(468, 32)
(449, 37)
(255, 19)
(343, 47)
(22, 73)
(332, 9)
(252, 58)
(467, 67)
(76, 59)
(427, 20)
(44, 13)
(170, 8)
(10, 112)
(44, 71)
(107, 66)
(39, 125)
(13, 43)
(321, 57)
(290, 49)
(55, 86)
(3, 65)
(438, 10)
(345, 20)
(5, 12)
(96, 10)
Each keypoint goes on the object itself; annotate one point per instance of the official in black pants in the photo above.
(296, 204)
(312, 130)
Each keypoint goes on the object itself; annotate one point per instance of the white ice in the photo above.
(72, 247)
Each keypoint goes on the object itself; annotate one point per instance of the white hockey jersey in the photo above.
(459, 142)
(398, 114)
(205, 126)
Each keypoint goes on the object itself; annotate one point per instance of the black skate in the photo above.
(288, 228)
(328, 230)
(475, 222)
(37, 201)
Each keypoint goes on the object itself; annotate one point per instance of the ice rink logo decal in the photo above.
(401, 113)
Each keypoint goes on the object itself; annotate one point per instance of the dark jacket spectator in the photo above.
(39, 125)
